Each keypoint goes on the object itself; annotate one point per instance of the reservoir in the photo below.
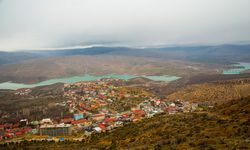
(14, 86)
(239, 67)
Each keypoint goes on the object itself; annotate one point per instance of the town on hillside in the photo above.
(95, 107)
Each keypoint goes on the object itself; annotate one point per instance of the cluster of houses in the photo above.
(89, 102)
(92, 96)
(10, 130)
(22, 92)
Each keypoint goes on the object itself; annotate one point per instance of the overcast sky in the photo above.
(26, 24)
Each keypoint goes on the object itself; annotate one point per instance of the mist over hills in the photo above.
(210, 54)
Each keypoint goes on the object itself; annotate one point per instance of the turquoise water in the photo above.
(162, 78)
(243, 67)
(14, 86)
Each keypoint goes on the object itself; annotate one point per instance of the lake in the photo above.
(243, 67)
(14, 86)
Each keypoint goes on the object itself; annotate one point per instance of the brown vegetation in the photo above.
(224, 127)
(42, 69)
(214, 92)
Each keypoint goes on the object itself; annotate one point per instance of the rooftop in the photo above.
(55, 126)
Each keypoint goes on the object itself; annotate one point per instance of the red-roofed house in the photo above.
(1, 127)
(138, 112)
(16, 125)
(67, 120)
(8, 135)
(98, 117)
(26, 129)
(125, 115)
(109, 120)
(18, 133)
(81, 121)
(81, 105)
(102, 126)
(7, 126)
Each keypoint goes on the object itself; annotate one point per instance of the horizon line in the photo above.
(121, 45)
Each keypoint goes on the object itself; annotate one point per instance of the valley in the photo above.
(33, 71)
(63, 99)
(123, 109)
(37, 66)
(124, 75)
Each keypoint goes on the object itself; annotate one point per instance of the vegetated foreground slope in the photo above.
(213, 92)
(226, 126)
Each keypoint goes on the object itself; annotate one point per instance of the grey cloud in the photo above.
(58, 23)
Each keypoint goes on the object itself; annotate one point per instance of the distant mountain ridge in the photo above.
(14, 57)
(218, 54)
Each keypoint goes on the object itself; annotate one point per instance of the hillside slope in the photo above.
(224, 127)
(54, 67)
(214, 92)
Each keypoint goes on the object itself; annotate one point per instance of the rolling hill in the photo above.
(31, 71)
(38, 65)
